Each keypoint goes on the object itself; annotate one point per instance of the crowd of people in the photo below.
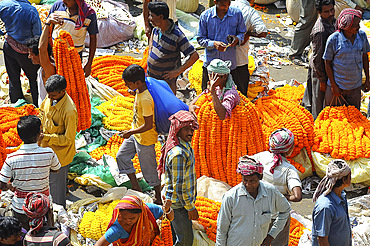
(259, 207)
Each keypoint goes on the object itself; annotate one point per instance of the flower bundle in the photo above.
(195, 76)
(94, 224)
(118, 112)
(218, 144)
(295, 232)
(68, 64)
(343, 132)
(165, 238)
(276, 113)
(254, 90)
(108, 70)
(208, 212)
(43, 11)
(294, 93)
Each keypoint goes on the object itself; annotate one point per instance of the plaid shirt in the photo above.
(181, 182)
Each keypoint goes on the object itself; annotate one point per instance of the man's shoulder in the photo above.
(176, 151)
(270, 188)
(58, 5)
(207, 13)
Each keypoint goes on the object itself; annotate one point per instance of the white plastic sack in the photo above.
(101, 90)
(293, 7)
(212, 188)
(264, 1)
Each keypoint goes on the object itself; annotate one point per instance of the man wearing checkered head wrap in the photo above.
(246, 209)
(330, 220)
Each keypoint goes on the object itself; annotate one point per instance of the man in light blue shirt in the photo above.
(22, 22)
(215, 25)
(246, 209)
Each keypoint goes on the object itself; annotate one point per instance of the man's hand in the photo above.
(193, 214)
(125, 134)
(167, 203)
(148, 31)
(54, 19)
(359, 8)
(40, 138)
(267, 241)
(213, 82)
(192, 109)
(335, 90)
(87, 69)
(322, 85)
(220, 46)
(235, 40)
(171, 74)
(367, 85)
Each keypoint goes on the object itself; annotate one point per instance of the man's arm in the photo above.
(189, 62)
(92, 49)
(365, 61)
(283, 209)
(329, 71)
(148, 30)
(148, 124)
(6, 186)
(47, 66)
(296, 196)
(224, 221)
(323, 241)
(255, 26)
(68, 137)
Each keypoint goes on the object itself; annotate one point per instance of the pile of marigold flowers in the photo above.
(118, 112)
(68, 64)
(43, 11)
(218, 144)
(277, 113)
(343, 132)
(4, 151)
(254, 90)
(295, 232)
(195, 76)
(294, 93)
(165, 238)
(208, 212)
(108, 70)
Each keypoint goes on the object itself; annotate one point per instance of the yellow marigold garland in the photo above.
(218, 144)
(295, 232)
(195, 76)
(68, 64)
(294, 93)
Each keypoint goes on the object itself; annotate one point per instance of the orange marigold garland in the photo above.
(108, 70)
(208, 212)
(293, 93)
(218, 144)
(343, 132)
(165, 238)
(295, 232)
(68, 64)
(276, 113)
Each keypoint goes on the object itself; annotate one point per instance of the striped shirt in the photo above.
(181, 181)
(29, 167)
(47, 236)
(165, 52)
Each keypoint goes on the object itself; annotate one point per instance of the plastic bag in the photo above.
(165, 103)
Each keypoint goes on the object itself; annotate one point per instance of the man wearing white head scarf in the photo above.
(331, 225)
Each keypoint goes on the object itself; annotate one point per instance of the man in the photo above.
(10, 231)
(313, 98)
(22, 22)
(345, 57)
(221, 28)
(246, 209)
(77, 18)
(165, 44)
(177, 159)
(37, 207)
(331, 225)
(255, 28)
(59, 121)
(29, 167)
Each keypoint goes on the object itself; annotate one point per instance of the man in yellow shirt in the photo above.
(59, 120)
(143, 135)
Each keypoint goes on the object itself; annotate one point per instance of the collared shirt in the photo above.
(21, 19)
(181, 181)
(230, 99)
(29, 167)
(241, 214)
(330, 218)
(60, 126)
(47, 236)
(90, 25)
(165, 52)
(319, 35)
(253, 23)
(347, 58)
(212, 28)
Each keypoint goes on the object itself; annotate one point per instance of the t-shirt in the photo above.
(144, 107)
(47, 236)
(116, 232)
(90, 25)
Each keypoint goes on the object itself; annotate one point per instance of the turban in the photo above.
(336, 169)
(281, 141)
(346, 17)
(219, 66)
(248, 166)
(178, 120)
(36, 206)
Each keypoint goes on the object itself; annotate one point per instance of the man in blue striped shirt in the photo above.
(165, 44)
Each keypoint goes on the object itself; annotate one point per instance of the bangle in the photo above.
(169, 211)
(47, 24)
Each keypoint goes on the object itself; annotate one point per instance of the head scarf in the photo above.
(178, 120)
(36, 206)
(84, 10)
(222, 67)
(248, 166)
(336, 169)
(145, 229)
(280, 142)
(346, 17)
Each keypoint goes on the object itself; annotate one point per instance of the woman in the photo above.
(225, 97)
(134, 222)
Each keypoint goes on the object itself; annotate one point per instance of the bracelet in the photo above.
(169, 211)
(47, 24)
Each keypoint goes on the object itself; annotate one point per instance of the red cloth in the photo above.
(36, 207)
(84, 10)
(345, 18)
(178, 120)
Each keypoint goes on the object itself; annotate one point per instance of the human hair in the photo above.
(133, 211)
(9, 226)
(159, 8)
(134, 73)
(29, 128)
(55, 83)
(33, 44)
(221, 1)
(320, 3)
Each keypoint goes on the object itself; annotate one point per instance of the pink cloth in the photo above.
(229, 99)
(281, 141)
(84, 10)
(248, 166)
(346, 17)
